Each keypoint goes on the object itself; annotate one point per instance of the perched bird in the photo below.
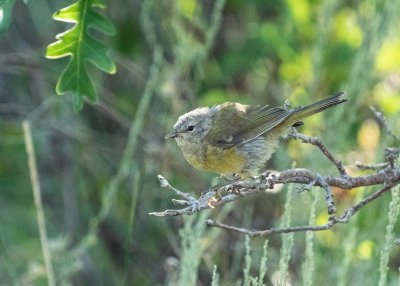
(236, 139)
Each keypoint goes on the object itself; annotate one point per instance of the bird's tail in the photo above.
(302, 112)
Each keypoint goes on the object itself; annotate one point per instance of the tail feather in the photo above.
(305, 111)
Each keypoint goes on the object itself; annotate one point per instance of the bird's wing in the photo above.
(237, 124)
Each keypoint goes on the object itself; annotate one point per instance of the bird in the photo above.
(233, 139)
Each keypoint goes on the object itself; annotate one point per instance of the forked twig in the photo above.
(315, 141)
(344, 218)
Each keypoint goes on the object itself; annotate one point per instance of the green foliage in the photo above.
(215, 277)
(192, 249)
(394, 208)
(309, 263)
(348, 254)
(263, 265)
(79, 44)
(247, 263)
(248, 279)
(5, 14)
(287, 239)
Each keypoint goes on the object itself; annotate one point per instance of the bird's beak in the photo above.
(173, 134)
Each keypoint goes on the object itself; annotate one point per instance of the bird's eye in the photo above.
(190, 128)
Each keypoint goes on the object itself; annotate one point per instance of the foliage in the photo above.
(309, 262)
(287, 240)
(192, 250)
(81, 46)
(5, 14)
(248, 279)
(389, 238)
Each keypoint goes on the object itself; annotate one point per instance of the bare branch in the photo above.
(377, 166)
(331, 222)
(239, 189)
(391, 154)
(383, 121)
(165, 184)
(314, 141)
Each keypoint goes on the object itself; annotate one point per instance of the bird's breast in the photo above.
(214, 159)
(223, 161)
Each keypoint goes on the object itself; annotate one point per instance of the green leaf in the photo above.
(79, 44)
(5, 14)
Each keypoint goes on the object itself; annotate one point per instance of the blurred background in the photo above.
(98, 169)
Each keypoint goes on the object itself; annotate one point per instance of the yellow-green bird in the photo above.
(236, 139)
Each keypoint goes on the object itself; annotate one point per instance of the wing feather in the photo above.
(238, 124)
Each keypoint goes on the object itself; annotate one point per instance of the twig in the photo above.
(38, 201)
(391, 154)
(165, 184)
(382, 120)
(331, 222)
(328, 194)
(314, 141)
(239, 189)
(125, 164)
(377, 166)
(307, 187)
(135, 129)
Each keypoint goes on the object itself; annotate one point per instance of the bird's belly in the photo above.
(214, 159)
(223, 161)
(195, 160)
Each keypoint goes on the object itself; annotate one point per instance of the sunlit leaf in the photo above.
(300, 10)
(365, 249)
(388, 58)
(347, 29)
(5, 14)
(187, 7)
(81, 46)
(386, 94)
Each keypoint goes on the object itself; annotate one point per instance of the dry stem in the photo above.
(30, 151)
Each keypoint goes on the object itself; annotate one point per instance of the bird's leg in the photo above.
(230, 178)
(211, 202)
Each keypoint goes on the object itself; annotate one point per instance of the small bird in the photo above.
(234, 139)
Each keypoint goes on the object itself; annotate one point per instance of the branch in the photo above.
(383, 121)
(347, 214)
(314, 141)
(239, 189)
(387, 174)
(377, 166)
